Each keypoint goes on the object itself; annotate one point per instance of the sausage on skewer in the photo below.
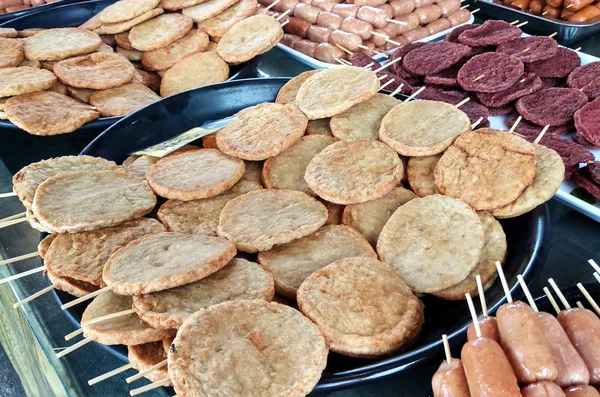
(450, 380)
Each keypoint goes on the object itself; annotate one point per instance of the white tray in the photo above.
(564, 192)
(316, 64)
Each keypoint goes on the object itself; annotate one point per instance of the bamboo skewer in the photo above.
(559, 293)
(347, 51)
(283, 15)
(84, 298)
(19, 258)
(553, 34)
(397, 90)
(484, 309)
(23, 274)
(390, 63)
(7, 194)
(110, 374)
(597, 276)
(71, 349)
(539, 138)
(446, 348)
(414, 94)
(580, 305)
(594, 265)
(151, 386)
(475, 124)
(515, 124)
(528, 295)
(12, 222)
(145, 372)
(473, 315)
(467, 99)
(108, 317)
(522, 24)
(33, 296)
(516, 21)
(589, 298)
(396, 22)
(74, 334)
(273, 4)
(15, 216)
(390, 81)
(285, 22)
(507, 293)
(552, 300)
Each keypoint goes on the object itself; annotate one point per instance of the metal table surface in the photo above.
(32, 335)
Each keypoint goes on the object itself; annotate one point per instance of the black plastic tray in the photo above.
(528, 236)
(17, 147)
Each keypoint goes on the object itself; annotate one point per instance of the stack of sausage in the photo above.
(523, 352)
(8, 6)
(318, 27)
(567, 10)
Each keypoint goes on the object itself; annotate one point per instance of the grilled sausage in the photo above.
(327, 53)
(571, 367)
(423, 3)
(460, 16)
(358, 27)
(520, 4)
(290, 39)
(325, 5)
(450, 380)
(551, 11)
(347, 40)
(372, 15)
(345, 10)
(585, 14)
(583, 329)
(536, 6)
(402, 7)
(377, 39)
(428, 13)
(389, 11)
(329, 20)
(297, 26)
(307, 12)
(398, 39)
(438, 26)
(542, 389)
(371, 3)
(369, 50)
(318, 34)
(487, 369)
(411, 22)
(581, 391)
(488, 327)
(306, 47)
(416, 34)
(565, 14)
(576, 5)
(449, 7)
(554, 3)
(523, 342)
(285, 5)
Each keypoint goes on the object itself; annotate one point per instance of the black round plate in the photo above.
(528, 236)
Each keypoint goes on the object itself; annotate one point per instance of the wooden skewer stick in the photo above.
(76, 346)
(273, 4)
(19, 258)
(553, 34)
(23, 274)
(285, 22)
(597, 277)
(569, 6)
(594, 265)
(509, 298)
(524, 51)
(475, 10)
(339, 61)
(552, 300)
(516, 21)
(577, 49)
(369, 65)
(84, 298)
(12, 222)
(530, 299)
(110, 374)
(473, 315)
(397, 90)
(396, 22)
(522, 24)
(414, 94)
(478, 78)
(344, 62)
(347, 51)
(516, 123)
(475, 124)
(10, 218)
(539, 138)
(484, 309)
(589, 298)
(33, 296)
(383, 54)
(390, 63)
(279, 18)
(559, 293)
(467, 99)
(74, 334)
(446, 348)
(580, 305)
(151, 386)
(393, 42)
(463, 7)
(383, 36)
(544, 13)
(390, 81)
(382, 77)
(145, 372)
(7, 194)
(109, 317)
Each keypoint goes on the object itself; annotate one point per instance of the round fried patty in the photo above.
(492, 32)
(529, 83)
(560, 65)
(552, 106)
(434, 57)
(587, 79)
(587, 122)
(530, 49)
(453, 36)
(499, 72)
